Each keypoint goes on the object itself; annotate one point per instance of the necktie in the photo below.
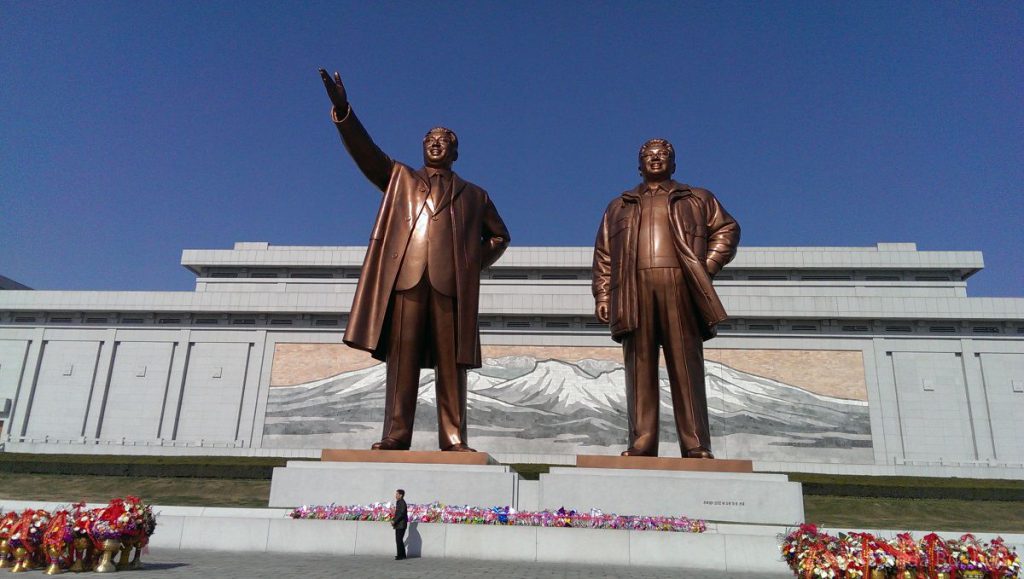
(436, 191)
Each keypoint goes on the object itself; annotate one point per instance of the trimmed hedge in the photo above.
(910, 487)
(259, 468)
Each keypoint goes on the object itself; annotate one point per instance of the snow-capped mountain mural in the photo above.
(524, 404)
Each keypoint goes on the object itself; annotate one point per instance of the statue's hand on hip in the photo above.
(336, 92)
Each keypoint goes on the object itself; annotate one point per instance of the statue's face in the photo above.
(438, 150)
(657, 162)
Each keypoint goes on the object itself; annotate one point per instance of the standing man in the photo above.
(400, 523)
(417, 299)
(658, 248)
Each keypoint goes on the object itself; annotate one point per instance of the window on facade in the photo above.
(558, 276)
(827, 277)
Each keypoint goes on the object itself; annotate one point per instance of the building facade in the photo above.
(834, 359)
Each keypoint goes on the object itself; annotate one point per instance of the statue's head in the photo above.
(440, 148)
(657, 160)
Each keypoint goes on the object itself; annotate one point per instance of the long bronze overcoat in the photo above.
(705, 238)
(479, 239)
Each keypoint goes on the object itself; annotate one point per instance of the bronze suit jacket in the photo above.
(705, 238)
(479, 239)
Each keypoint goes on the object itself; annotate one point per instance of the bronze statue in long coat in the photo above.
(416, 303)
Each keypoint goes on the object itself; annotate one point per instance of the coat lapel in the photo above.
(455, 189)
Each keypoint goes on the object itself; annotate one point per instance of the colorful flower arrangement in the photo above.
(466, 515)
(811, 553)
(73, 537)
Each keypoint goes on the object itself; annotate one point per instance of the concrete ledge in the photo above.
(716, 496)
(359, 483)
(201, 528)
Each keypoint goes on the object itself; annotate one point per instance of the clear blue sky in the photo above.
(132, 130)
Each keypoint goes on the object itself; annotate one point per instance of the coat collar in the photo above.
(676, 190)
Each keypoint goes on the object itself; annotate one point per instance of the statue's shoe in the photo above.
(636, 452)
(389, 444)
(460, 447)
(699, 453)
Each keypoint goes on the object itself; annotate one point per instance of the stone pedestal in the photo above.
(359, 477)
(631, 486)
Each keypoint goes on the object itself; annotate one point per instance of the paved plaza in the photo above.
(166, 563)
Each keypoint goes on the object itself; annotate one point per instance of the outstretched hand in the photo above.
(336, 91)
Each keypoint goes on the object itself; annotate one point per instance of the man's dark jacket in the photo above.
(401, 519)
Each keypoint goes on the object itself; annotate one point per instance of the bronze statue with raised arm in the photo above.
(417, 299)
(658, 248)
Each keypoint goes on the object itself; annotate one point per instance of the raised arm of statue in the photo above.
(373, 162)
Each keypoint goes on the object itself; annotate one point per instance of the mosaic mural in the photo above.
(800, 405)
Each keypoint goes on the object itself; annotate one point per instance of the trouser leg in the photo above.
(400, 543)
(406, 340)
(684, 357)
(640, 350)
(449, 377)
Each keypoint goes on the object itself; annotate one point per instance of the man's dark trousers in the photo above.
(400, 542)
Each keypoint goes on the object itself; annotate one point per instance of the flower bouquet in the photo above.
(969, 557)
(139, 526)
(935, 556)
(906, 553)
(26, 537)
(57, 541)
(1003, 561)
(82, 546)
(6, 523)
(810, 553)
(109, 526)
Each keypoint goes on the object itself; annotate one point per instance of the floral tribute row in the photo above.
(814, 554)
(76, 538)
(438, 513)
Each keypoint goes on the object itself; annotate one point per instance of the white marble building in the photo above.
(937, 376)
